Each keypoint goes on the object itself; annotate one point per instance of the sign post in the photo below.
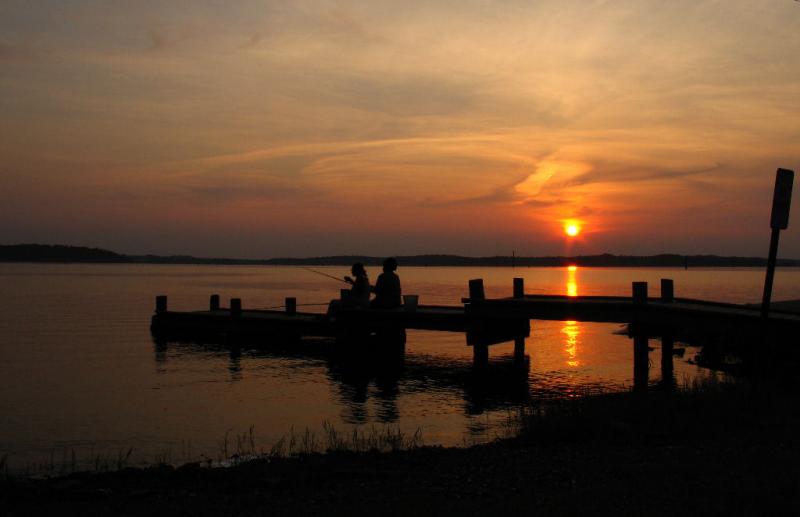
(781, 200)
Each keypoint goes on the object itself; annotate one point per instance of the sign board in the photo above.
(782, 199)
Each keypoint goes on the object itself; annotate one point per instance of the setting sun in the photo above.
(572, 229)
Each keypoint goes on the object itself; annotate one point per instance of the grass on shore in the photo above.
(233, 449)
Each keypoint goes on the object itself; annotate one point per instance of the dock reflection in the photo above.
(369, 382)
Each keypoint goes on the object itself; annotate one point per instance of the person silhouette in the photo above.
(360, 290)
(388, 294)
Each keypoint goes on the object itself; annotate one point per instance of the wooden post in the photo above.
(236, 306)
(639, 293)
(161, 304)
(519, 288)
(519, 349)
(640, 360)
(476, 289)
(213, 302)
(667, 290)
(291, 305)
(480, 355)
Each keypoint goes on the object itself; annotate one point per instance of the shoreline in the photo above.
(724, 449)
(45, 253)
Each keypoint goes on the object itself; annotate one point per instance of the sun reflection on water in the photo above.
(572, 330)
(572, 281)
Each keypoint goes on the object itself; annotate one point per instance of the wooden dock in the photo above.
(348, 325)
(680, 315)
(489, 321)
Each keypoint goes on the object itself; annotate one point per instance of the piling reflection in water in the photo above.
(368, 382)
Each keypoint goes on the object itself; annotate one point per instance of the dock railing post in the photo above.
(213, 302)
(476, 289)
(519, 288)
(291, 305)
(236, 306)
(667, 290)
(161, 304)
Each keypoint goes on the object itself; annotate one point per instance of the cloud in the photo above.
(638, 172)
(539, 110)
(22, 54)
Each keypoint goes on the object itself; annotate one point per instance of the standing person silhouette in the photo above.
(387, 287)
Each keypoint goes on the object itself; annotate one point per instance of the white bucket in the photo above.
(410, 302)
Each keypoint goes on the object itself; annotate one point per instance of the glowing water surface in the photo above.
(79, 370)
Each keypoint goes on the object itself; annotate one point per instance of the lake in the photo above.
(80, 373)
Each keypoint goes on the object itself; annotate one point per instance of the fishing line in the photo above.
(338, 279)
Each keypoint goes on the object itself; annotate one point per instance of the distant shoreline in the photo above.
(42, 253)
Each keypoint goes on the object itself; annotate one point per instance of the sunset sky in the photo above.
(301, 128)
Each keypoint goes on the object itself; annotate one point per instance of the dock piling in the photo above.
(213, 302)
(640, 343)
(519, 349)
(667, 342)
(476, 291)
(161, 304)
(639, 293)
(519, 288)
(291, 305)
(236, 306)
(641, 360)
(480, 355)
(667, 290)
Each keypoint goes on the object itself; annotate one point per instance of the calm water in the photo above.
(79, 370)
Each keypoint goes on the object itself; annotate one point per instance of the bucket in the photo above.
(410, 302)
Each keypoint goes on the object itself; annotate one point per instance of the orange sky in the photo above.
(262, 129)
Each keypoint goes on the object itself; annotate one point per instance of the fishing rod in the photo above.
(338, 279)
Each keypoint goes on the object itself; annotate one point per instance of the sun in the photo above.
(572, 228)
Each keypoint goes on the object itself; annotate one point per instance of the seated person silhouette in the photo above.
(359, 293)
(387, 287)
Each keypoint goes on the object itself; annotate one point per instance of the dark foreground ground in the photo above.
(723, 451)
